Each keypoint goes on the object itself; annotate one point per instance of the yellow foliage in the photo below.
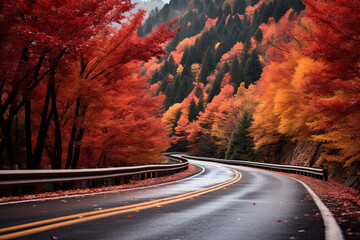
(342, 145)
(169, 117)
(284, 107)
(179, 69)
(195, 69)
(217, 45)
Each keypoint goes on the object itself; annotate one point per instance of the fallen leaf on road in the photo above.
(239, 219)
(302, 230)
(254, 203)
(279, 220)
(153, 226)
(129, 216)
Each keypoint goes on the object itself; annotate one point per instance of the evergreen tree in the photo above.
(226, 67)
(241, 145)
(211, 11)
(216, 88)
(185, 56)
(169, 96)
(236, 74)
(175, 123)
(155, 77)
(208, 65)
(193, 112)
(268, 12)
(219, 2)
(244, 56)
(227, 10)
(239, 7)
(171, 65)
(198, 92)
(201, 105)
(254, 2)
(258, 36)
(253, 69)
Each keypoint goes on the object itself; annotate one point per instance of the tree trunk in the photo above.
(73, 134)
(57, 149)
(78, 140)
(44, 127)
(29, 156)
(6, 129)
(77, 148)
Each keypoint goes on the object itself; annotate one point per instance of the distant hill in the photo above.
(149, 5)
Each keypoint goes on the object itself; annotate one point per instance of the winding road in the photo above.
(221, 202)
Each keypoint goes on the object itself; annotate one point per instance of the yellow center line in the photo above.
(88, 216)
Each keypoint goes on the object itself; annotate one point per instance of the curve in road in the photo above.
(221, 203)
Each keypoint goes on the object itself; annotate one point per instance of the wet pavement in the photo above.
(261, 205)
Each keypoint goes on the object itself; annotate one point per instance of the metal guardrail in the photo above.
(308, 171)
(29, 177)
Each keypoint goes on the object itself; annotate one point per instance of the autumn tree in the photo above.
(69, 45)
(34, 42)
(333, 37)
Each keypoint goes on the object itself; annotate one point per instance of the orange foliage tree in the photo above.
(66, 61)
(334, 40)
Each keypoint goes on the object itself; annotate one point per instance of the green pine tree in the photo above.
(193, 112)
(227, 10)
(216, 88)
(253, 69)
(241, 146)
(258, 36)
(239, 7)
(236, 73)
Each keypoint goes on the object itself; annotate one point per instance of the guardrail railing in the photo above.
(308, 171)
(112, 176)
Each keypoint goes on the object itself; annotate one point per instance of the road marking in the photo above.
(332, 229)
(88, 216)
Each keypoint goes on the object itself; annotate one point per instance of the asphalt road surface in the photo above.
(223, 202)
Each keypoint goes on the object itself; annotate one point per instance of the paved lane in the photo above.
(220, 203)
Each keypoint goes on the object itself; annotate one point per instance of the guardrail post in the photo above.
(110, 181)
(84, 184)
(325, 176)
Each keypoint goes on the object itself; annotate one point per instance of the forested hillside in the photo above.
(268, 80)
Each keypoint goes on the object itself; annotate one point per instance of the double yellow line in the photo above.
(48, 224)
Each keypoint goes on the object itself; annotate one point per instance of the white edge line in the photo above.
(332, 228)
(104, 192)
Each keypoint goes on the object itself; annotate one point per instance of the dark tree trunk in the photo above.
(6, 129)
(29, 156)
(78, 140)
(77, 148)
(73, 134)
(44, 127)
(57, 149)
